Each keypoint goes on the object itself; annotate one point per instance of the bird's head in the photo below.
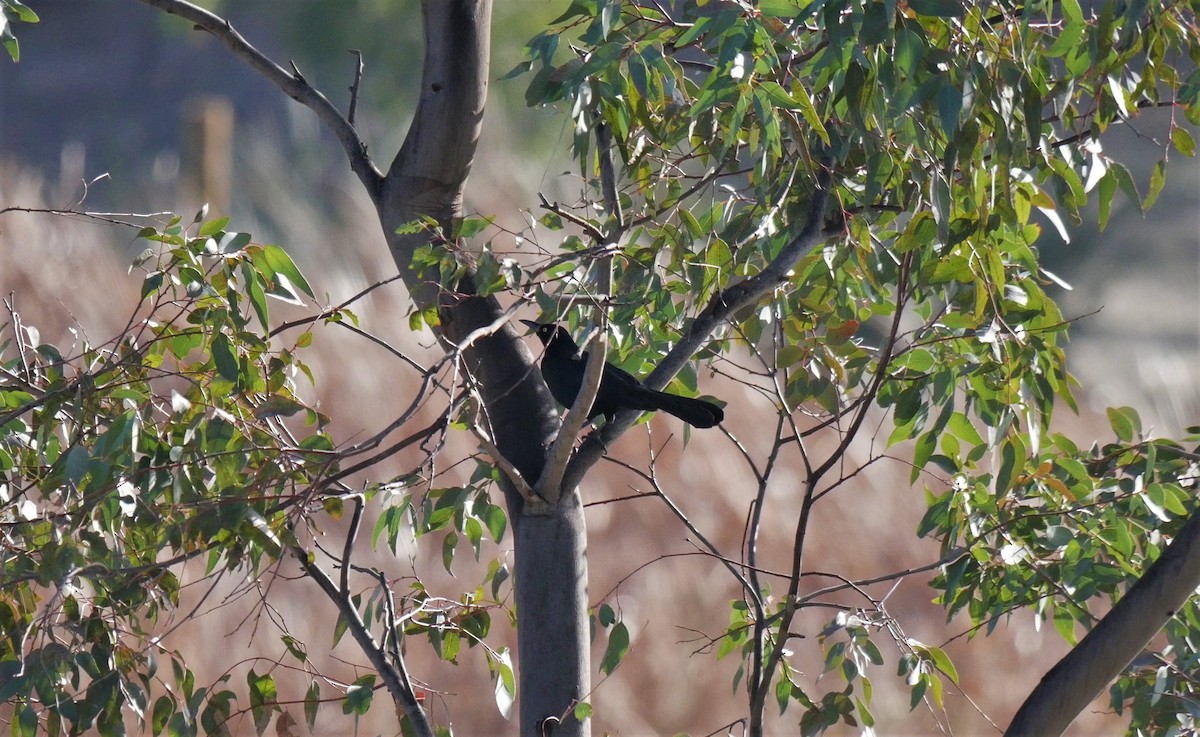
(547, 331)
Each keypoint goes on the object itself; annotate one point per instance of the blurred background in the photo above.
(118, 107)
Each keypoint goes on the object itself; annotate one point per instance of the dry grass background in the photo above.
(70, 273)
(67, 272)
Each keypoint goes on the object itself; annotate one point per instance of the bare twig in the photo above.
(394, 674)
(712, 550)
(505, 465)
(792, 603)
(330, 311)
(595, 233)
(348, 548)
(608, 180)
(358, 75)
(110, 218)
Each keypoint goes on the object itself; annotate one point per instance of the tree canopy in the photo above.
(832, 207)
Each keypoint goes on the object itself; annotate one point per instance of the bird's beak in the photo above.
(531, 324)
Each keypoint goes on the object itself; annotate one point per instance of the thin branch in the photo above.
(881, 367)
(331, 311)
(792, 602)
(436, 426)
(608, 180)
(505, 465)
(736, 296)
(354, 86)
(109, 218)
(595, 233)
(348, 548)
(945, 560)
(292, 84)
(652, 479)
(394, 674)
(751, 546)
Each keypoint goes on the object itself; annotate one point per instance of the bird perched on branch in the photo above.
(563, 366)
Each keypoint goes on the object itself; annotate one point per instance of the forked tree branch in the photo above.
(760, 690)
(720, 307)
(394, 675)
(736, 296)
(292, 84)
(550, 485)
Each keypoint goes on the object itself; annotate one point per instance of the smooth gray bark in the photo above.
(427, 178)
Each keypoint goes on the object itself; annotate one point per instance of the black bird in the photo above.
(563, 367)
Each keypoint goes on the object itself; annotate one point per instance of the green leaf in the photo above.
(781, 8)
(943, 663)
(263, 696)
(576, 9)
(1068, 39)
(778, 96)
(275, 263)
(921, 231)
(26, 723)
(921, 453)
(1125, 182)
(224, 358)
(12, 46)
(151, 283)
(960, 425)
(295, 647)
(506, 683)
(949, 102)
(1183, 141)
(471, 227)
(312, 703)
(938, 8)
(359, 695)
(876, 24)
(254, 291)
(809, 111)
(24, 13)
(783, 694)
(1158, 177)
(1105, 190)
(1125, 423)
(1012, 459)
(618, 645)
(583, 710)
(449, 544)
(233, 242)
(164, 708)
(212, 227)
(495, 519)
(606, 616)
(449, 645)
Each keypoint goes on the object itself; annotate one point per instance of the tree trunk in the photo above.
(427, 178)
(553, 635)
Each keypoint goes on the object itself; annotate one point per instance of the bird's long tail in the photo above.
(695, 412)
